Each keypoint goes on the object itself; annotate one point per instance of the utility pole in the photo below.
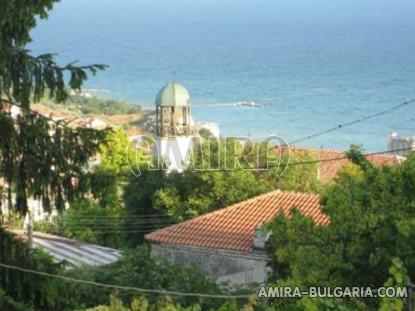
(28, 228)
(30, 232)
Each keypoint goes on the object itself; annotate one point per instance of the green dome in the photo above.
(173, 94)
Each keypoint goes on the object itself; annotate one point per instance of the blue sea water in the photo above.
(311, 65)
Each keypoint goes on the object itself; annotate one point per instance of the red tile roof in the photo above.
(234, 227)
(328, 170)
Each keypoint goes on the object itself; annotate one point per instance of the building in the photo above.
(228, 244)
(55, 119)
(212, 127)
(333, 161)
(93, 123)
(72, 252)
(173, 127)
(401, 145)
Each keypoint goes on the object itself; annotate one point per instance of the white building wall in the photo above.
(237, 268)
(212, 127)
(398, 144)
(174, 151)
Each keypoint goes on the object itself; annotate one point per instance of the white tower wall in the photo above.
(174, 151)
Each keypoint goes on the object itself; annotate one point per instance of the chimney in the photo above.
(260, 238)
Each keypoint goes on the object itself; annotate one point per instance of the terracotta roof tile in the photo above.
(234, 227)
(328, 170)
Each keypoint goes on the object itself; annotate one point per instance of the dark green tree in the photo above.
(372, 223)
(34, 162)
(141, 214)
(22, 291)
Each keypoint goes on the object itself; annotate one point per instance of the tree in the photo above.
(139, 207)
(106, 178)
(92, 223)
(295, 177)
(158, 199)
(34, 162)
(114, 153)
(371, 224)
(137, 268)
(228, 172)
(18, 290)
(195, 193)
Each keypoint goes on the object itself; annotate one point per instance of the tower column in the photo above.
(172, 126)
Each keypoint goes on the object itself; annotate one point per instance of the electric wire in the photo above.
(124, 288)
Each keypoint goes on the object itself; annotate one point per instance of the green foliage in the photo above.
(169, 304)
(18, 289)
(194, 193)
(371, 224)
(214, 179)
(205, 133)
(88, 222)
(301, 178)
(92, 223)
(86, 106)
(35, 163)
(7, 303)
(139, 204)
(42, 166)
(105, 179)
(141, 304)
(96, 105)
(154, 197)
(51, 227)
(220, 176)
(104, 187)
(138, 268)
(399, 278)
(115, 152)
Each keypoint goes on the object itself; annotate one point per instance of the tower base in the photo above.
(174, 152)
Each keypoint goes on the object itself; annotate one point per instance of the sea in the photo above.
(255, 67)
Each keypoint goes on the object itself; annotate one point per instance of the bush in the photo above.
(92, 223)
(137, 268)
(97, 105)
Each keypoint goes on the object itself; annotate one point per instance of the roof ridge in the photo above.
(231, 207)
(311, 148)
(318, 149)
(212, 213)
(233, 227)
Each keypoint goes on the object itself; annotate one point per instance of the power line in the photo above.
(340, 126)
(346, 157)
(125, 288)
(125, 222)
(98, 222)
(102, 231)
(343, 125)
(126, 219)
(157, 216)
(116, 227)
(313, 161)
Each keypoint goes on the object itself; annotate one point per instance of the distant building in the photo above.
(228, 244)
(173, 126)
(212, 127)
(35, 206)
(401, 145)
(333, 161)
(93, 123)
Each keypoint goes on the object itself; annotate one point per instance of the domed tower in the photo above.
(173, 126)
(173, 111)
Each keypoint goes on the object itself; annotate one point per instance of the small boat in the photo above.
(251, 104)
